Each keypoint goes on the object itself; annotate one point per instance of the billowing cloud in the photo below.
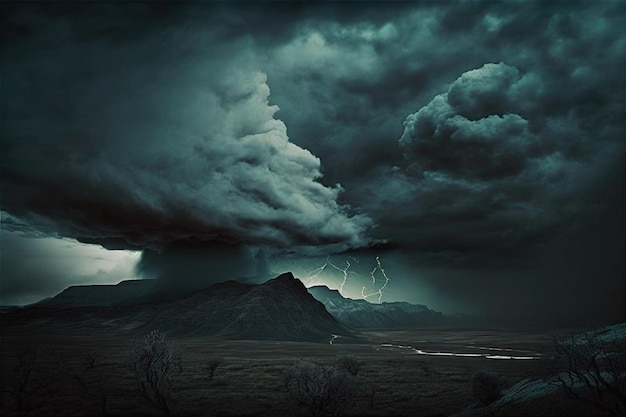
(132, 124)
(485, 173)
(474, 131)
(190, 151)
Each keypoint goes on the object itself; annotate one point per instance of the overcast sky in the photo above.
(477, 149)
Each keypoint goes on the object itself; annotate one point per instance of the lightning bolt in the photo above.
(318, 275)
(380, 291)
(344, 271)
(310, 276)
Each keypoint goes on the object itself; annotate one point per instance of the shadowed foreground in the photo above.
(89, 375)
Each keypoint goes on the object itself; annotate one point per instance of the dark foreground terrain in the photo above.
(53, 375)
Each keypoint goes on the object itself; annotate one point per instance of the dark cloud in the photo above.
(572, 276)
(483, 92)
(366, 75)
(185, 266)
(470, 132)
(151, 143)
(473, 134)
(485, 174)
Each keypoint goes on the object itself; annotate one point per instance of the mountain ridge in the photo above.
(99, 295)
(361, 314)
(279, 309)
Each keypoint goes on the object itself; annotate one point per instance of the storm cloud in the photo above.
(100, 146)
(466, 141)
(501, 161)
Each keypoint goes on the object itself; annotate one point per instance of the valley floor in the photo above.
(91, 376)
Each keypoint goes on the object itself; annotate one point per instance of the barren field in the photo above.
(404, 373)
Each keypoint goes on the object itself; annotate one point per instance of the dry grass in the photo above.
(249, 383)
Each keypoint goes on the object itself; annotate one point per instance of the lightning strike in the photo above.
(317, 275)
(345, 273)
(311, 275)
(380, 291)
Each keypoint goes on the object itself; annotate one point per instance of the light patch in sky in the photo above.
(493, 22)
(61, 262)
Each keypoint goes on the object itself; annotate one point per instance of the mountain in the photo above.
(279, 309)
(124, 293)
(362, 314)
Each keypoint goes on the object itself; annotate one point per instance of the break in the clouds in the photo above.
(35, 267)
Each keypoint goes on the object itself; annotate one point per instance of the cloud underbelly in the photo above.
(208, 163)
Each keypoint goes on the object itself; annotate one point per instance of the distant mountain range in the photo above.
(361, 314)
(279, 309)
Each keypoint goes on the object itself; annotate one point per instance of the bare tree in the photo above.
(325, 391)
(18, 379)
(92, 358)
(487, 387)
(30, 376)
(427, 368)
(212, 365)
(350, 363)
(93, 381)
(590, 368)
(152, 361)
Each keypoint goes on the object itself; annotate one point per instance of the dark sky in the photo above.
(476, 148)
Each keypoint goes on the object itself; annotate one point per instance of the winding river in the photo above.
(510, 354)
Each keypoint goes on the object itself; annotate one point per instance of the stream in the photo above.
(467, 352)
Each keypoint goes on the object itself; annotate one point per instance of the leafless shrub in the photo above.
(325, 391)
(17, 380)
(304, 380)
(590, 368)
(369, 389)
(94, 386)
(29, 378)
(487, 387)
(152, 361)
(93, 382)
(350, 363)
(212, 365)
(427, 368)
(52, 364)
(92, 358)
